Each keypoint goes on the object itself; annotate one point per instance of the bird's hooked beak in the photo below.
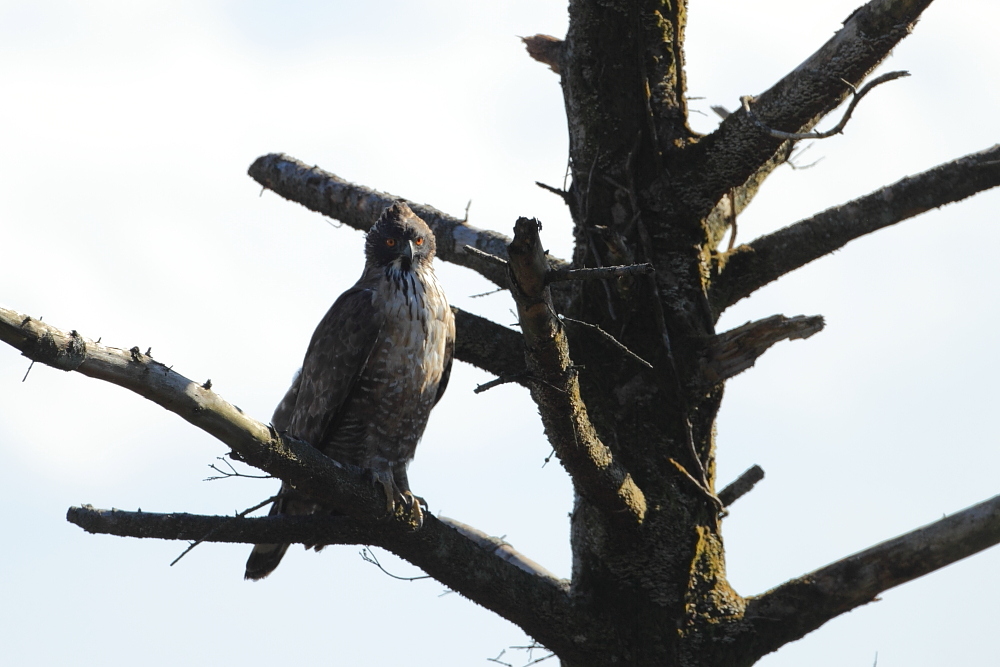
(407, 250)
(406, 253)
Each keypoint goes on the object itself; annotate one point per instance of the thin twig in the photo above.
(496, 382)
(482, 294)
(732, 217)
(530, 648)
(693, 451)
(839, 127)
(554, 190)
(538, 660)
(214, 530)
(489, 257)
(498, 660)
(798, 154)
(629, 353)
(714, 500)
(369, 556)
(232, 472)
(601, 273)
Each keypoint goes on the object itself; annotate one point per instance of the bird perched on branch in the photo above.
(377, 363)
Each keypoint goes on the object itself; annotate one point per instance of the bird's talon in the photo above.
(416, 513)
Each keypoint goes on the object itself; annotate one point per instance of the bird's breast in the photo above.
(415, 335)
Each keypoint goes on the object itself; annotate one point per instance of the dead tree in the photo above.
(625, 364)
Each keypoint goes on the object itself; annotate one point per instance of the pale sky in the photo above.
(126, 213)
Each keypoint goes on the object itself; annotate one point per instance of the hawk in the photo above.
(377, 363)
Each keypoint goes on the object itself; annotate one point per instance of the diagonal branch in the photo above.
(733, 153)
(801, 605)
(723, 215)
(537, 604)
(358, 206)
(749, 267)
(742, 485)
(736, 350)
(556, 391)
(251, 441)
(839, 127)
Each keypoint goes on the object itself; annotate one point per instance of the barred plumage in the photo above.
(377, 363)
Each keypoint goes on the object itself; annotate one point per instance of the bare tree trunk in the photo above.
(625, 366)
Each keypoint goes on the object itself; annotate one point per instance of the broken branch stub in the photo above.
(556, 391)
(736, 350)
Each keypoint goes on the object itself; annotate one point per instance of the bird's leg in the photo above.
(384, 479)
(414, 504)
(398, 495)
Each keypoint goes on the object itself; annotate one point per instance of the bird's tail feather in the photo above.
(265, 557)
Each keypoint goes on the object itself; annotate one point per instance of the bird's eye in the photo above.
(418, 242)
(391, 243)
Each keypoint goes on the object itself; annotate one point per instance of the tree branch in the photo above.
(556, 390)
(546, 49)
(598, 273)
(358, 206)
(736, 350)
(736, 150)
(488, 345)
(729, 207)
(836, 129)
(801, 605)
(742, 485)
(749, 267)
(484, 569)
(310, 529)
(251, 441)
(537, 604)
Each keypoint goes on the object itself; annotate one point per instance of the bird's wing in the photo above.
(449, 356)
(283, 412)
(337, 354)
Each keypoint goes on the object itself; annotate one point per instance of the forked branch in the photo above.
(539, 604)
(836, 129)
(555, 388)
(251, 441)
(739, 147)
(797, 607)
(358, 206)
(749, 267)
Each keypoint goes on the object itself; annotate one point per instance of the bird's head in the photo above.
(400, 240)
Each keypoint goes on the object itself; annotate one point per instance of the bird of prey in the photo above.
(376, 365)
